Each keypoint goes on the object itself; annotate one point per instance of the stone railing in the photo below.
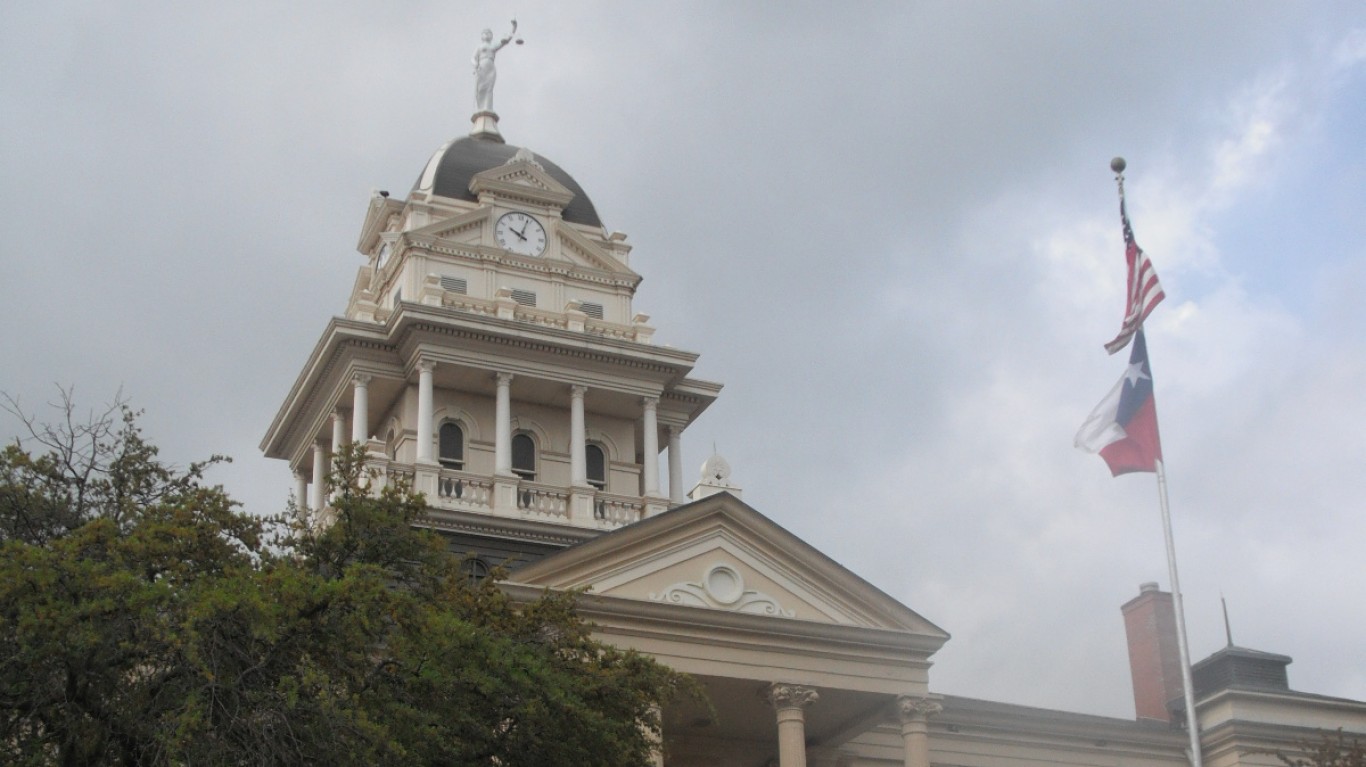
(461, 490)
(617, 510)
(392, 474)
(638, 332)
(541, 317)
(610, 330)
(542, 500)
(467, 304)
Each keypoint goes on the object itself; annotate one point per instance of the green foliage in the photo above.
(145, 620)
(1335, 749)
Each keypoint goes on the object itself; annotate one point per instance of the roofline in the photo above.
(678, 516)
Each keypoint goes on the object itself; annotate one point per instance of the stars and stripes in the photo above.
(1145, 292)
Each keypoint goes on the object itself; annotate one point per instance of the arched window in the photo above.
(451, 446)
(477, 569)
(596, 466)
(524, 456)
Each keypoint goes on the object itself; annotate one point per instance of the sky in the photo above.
(889, 228)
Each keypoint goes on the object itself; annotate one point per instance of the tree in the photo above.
(1335, 749)
(145, 620)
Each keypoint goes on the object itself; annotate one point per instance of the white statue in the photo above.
(484, 72)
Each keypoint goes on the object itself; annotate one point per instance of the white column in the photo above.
(578, 459)
(790, 702)
(319, 477)
(338, 431)
(300, 490)
(338, 444)
(675, 463)
(425, 410)
(650, 445)
(502, 434)
(914, 714)
(360, 409)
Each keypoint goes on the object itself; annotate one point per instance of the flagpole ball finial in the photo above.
(1117, 165)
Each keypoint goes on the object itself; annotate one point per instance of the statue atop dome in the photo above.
(485, 72)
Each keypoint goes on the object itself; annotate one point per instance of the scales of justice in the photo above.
(485, 75)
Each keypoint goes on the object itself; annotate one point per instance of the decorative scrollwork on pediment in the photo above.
(722, 588)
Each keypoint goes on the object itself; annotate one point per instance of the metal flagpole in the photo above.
(1191, 725)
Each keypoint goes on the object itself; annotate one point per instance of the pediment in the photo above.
(522, 178)
(720, 554)
(468, 229)
(464, 228)
(581, 251)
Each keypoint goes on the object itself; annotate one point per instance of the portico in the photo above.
(798, 656)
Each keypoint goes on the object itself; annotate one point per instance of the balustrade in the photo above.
(395, 475)
(543, 500)
(615, 511)
(456, 488)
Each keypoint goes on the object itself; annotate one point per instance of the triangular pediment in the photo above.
(464, 228)
(581, 251)
(521, 179)
(720, 554)
(467, 230)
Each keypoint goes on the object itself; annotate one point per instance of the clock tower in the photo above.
(490, 355)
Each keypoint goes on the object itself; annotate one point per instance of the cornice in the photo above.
(514, 334)
(502, 527)
(340, 335)
(736, 629)
(427, 245)
(544, 346)
(981, 721)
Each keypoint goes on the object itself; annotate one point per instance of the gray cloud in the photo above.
(888, 228)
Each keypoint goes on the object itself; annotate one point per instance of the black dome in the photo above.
(457, 163)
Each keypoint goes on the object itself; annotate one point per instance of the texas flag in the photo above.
(1123, 427)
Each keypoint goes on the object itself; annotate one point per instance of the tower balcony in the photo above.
(453, 490)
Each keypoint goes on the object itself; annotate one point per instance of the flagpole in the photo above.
(1188, 688)
(1192, 725)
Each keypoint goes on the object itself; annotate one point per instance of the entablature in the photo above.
(620, 371)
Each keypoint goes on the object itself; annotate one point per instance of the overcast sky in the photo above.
(889, 229)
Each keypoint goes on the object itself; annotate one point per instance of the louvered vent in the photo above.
(592, 310)
(524, 297)
(454, 285)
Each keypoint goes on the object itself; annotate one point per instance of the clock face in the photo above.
(520, 234)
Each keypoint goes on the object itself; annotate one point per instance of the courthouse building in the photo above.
(490, 354)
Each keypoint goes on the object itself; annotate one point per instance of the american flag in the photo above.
(1145, 292)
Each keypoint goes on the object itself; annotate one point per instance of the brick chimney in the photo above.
(1154, 656)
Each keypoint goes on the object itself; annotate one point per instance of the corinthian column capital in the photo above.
(916, 707)
(785, 696)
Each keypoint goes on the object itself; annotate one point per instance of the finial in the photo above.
(1118, 165)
